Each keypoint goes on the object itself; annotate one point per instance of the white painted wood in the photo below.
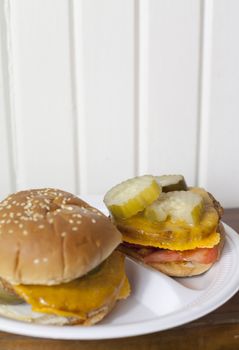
(7, 183)
(93, 92)
(173, 66)
(143, 86)
(43, 93)
(223, 144)
(205, 90)
(104, 34)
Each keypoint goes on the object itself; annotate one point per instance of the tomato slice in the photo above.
(200, 255)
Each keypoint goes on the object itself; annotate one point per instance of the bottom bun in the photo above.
(176, 269)
(25, 314)
(181, 269)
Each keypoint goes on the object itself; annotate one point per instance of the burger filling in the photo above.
(154, 255)
(165, 241)
(80, 298)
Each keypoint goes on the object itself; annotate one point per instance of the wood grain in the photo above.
(217, 330)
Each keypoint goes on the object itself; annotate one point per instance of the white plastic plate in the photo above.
(157, 302)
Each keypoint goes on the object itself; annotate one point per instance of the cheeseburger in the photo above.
(57, 256)
(165, 224)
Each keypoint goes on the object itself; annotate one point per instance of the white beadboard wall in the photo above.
(93, 92)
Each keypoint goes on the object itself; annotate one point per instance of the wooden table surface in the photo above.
(217, 330)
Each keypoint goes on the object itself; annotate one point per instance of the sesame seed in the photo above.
(8, 221)
(45, 260)
(10, 231)
(41, 226)
(71, 221)
(36, 261)
(79, 222)
(9, 206)
(25, 232)
(19, 214)
(51, 221)
(11, 215)
(63, 234)
(16, 221)
(14, 202)
(4, 215)
(93, 221)
(74, 228)
(28, 206)
(99, 214)
(20, 225)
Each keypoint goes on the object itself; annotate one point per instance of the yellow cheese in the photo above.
(173, 235)
(78, 298)
(208, 242)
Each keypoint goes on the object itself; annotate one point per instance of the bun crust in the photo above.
(48, 236)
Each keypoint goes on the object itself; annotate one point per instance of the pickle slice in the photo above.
(172, 183)
(8, 298)
(132, 196)
(178, 206)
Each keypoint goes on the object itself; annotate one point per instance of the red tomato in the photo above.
(200, 255)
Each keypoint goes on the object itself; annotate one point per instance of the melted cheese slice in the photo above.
(173, 235)
(79, 298)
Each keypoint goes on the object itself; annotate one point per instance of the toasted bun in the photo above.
(48, 236)
(177, 269)
(181, 269)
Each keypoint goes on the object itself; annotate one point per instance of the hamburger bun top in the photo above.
(48, 236)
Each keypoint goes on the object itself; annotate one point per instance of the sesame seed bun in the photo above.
(48, 236)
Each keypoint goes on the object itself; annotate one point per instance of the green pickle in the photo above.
(177, 206)
(132, 196)
(172, 183)
(7, 298)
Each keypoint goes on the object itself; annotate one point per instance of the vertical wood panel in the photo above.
(223, 144)
(173, 64)
(43, 100)
(205, 90)
(105, 35)
(7, 183)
